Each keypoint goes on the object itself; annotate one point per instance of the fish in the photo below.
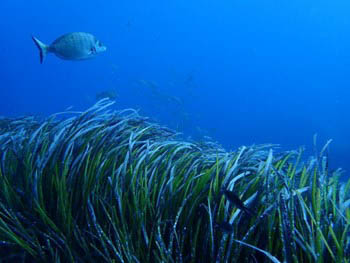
(71, 46)
(110, 94)
(233, 198)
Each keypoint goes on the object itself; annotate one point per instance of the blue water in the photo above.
(242, 72)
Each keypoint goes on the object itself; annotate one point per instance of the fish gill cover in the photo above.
(108, 185)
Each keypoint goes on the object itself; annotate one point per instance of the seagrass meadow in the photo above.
(111, 186)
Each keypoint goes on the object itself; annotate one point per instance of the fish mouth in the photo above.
(101, 49)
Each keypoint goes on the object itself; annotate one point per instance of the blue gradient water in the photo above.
(241, 72)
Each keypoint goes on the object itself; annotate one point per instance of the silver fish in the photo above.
(71, 46)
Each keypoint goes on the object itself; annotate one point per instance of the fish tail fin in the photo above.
(43, 49)
(249, 211)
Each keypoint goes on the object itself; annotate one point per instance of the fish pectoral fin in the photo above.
(92, 51)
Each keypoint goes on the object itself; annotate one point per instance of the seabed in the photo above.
(110, 186)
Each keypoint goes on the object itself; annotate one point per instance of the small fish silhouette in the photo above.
(233, 198)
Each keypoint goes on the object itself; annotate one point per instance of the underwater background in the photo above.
(240, 72)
